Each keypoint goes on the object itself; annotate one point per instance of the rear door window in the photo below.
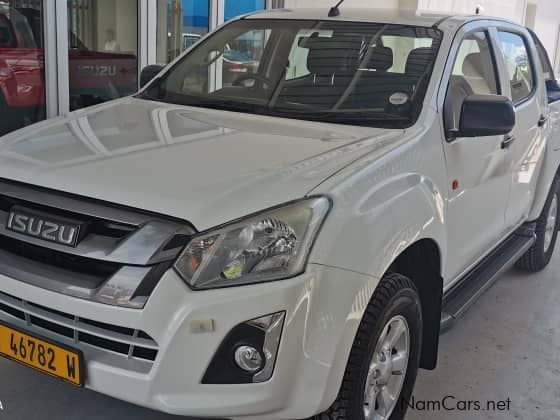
(545, 60)
(518, 61)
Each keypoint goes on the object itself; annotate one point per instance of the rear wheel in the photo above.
(384, 360)
(539, 255)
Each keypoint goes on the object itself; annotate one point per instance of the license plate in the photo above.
(41, 354)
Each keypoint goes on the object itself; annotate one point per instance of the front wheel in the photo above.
(385, 356)
(540, 254)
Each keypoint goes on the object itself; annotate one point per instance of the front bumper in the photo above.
(323, 309)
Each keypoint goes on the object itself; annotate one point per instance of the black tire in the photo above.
(395, 295)
(537, 257)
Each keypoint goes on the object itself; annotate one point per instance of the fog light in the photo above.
(249, 359)
(248, 353)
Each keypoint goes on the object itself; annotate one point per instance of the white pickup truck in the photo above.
(289, 243)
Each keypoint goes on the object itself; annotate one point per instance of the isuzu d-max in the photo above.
(288, 246)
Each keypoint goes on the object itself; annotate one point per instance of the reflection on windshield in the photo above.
(342, 72)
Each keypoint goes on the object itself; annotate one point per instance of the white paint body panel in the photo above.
(389, 188)
(208, 167)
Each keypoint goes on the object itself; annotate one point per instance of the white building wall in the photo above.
(541, 15)
(547, 27)
(508, 9)
(384, 4)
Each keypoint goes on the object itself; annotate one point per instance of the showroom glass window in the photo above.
(519, 67)
(103, 50)
(235, 8)
(181, 23)
(22, 67)
(242, 57)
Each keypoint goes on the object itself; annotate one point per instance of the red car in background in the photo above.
(95, 76)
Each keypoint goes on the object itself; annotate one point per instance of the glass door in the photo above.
(102, 50)
(235, 8)
(180, 24)
(22, 64)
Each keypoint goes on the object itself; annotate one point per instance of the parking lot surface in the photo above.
(507, 347)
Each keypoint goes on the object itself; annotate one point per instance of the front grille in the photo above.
(120, 257)
(96, 226)
(127, 342)
(77, 265)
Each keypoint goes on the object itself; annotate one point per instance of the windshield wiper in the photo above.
(212, 103)
(341, 117)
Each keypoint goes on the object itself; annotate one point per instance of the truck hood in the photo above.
(200, 165)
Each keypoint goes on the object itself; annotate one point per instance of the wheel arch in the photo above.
(421, 263)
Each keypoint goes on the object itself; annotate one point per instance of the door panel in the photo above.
(527, 93)
(478, 168)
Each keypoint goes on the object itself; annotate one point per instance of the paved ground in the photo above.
(506, 347)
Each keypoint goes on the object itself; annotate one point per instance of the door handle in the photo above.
(507, 141)
(542, 120)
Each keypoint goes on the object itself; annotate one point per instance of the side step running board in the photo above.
(477, 281)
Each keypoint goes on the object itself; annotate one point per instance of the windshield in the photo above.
(341, 72)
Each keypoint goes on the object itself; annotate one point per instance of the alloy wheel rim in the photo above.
(387, 370)
(551, 223)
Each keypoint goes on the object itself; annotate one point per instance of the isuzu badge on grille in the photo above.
(42, 226)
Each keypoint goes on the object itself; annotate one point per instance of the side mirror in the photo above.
(148, 73)
(486, 115)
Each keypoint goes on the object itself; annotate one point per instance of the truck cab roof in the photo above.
(401, 17)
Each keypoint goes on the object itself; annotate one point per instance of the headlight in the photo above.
(272, 245)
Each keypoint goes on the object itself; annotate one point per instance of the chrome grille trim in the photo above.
(77, 325)
(133, 249)
(122, 250)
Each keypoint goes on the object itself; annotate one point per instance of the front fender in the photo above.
(368, 229)
(368, 242)
(382, 205)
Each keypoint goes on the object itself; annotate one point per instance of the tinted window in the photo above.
(23, 30)
(518, 64)
(473, 74)
(6, 38)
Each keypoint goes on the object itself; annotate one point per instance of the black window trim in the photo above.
(530, 56)
(547, 64)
